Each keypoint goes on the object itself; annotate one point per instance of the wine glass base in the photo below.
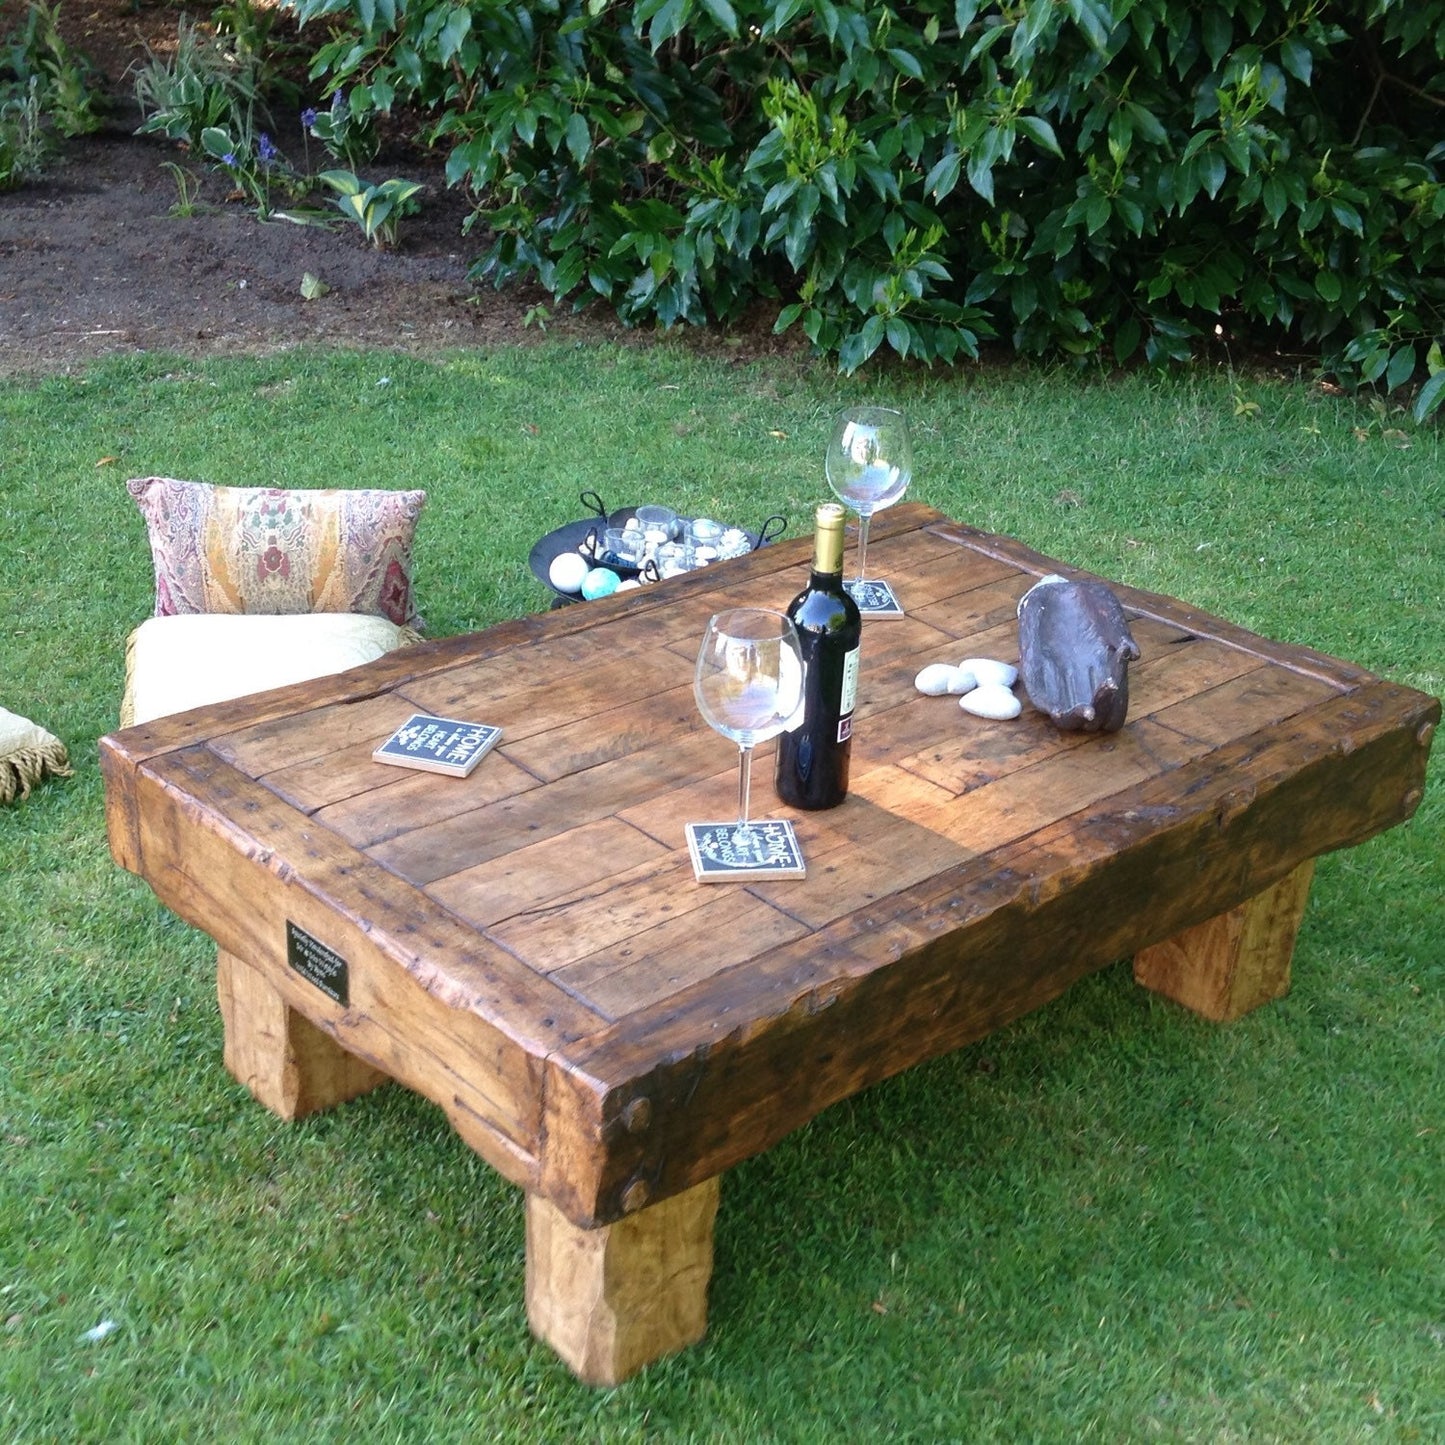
(744, 852)
(875, 598)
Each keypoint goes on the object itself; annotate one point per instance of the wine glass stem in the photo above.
(745, 779)
(863, 544)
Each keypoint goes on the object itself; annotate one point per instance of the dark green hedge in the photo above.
(1093, 177)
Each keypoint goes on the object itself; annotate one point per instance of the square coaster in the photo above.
(438, 745)
(726, 853)
(875, 598)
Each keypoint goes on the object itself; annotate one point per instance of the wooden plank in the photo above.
(425, 854)
(1026, 775)
(1182, 669)
(607, 914)
(846, 874)
(1237, 960)
(532, 673)
(730, 1066)
(612, 1300)
(316, 735)
(926, 571)
(654, 705)
(980, 609)
(400, 800)
(657, 961)
(975, 753)
(529, 877)
(1242, 706)
(408, 670)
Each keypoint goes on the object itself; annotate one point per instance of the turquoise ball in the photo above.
(599, 582)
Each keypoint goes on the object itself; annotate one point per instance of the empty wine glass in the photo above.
(869, 466)
(749, 685)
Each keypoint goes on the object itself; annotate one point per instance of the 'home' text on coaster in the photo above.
(438, 745)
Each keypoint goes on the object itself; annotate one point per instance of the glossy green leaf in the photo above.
(944, 176)
(1429, 397)
(1040, 132)
(723, 12)
(456, 29)
(579, 137)
(1297, 58)
(1401, 367)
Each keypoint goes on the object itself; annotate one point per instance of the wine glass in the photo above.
(749, 685)
(869, 466)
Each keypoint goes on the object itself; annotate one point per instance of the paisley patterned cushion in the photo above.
(263, 550)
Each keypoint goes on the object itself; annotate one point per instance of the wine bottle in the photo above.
(812, 770)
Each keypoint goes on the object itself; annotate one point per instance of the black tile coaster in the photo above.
(875, 598)
(725, 853)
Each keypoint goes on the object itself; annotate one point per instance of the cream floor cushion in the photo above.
(175, 663)
(27, 754)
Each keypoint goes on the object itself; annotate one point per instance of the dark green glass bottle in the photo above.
(812, 769)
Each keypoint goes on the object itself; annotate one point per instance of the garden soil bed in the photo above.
(95, 261)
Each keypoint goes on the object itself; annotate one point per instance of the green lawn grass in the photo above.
(1111, 1221)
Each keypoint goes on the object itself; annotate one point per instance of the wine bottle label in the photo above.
(849, 699)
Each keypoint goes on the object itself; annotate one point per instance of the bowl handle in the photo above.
(768, 531)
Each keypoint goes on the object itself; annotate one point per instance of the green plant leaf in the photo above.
(1429, 397)
(397, 191)
(344, 183)
(905, 62)
(723, 12)
(457, 27)
(579, 137)
(944, 176)
(1297, 58)
(1401, 367)
(669, 20)
(1040, 132)
(354, 206)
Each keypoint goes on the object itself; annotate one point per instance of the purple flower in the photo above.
(265, 149)
(229, 159)
(308, 117)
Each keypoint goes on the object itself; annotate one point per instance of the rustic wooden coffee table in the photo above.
(527, 946)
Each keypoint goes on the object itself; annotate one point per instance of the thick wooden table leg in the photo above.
(1226, 966)
(289, 1064)
(612, 1300)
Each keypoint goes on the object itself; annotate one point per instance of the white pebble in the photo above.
(989, 670)
(936, 679)
(629, 585)
(567, 571)
(991, 700)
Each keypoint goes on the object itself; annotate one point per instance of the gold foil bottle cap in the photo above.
(828, 537)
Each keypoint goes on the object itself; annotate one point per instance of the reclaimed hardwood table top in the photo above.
(527, 946)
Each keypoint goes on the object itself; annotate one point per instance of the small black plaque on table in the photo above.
(438, 745)
(313, 960)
